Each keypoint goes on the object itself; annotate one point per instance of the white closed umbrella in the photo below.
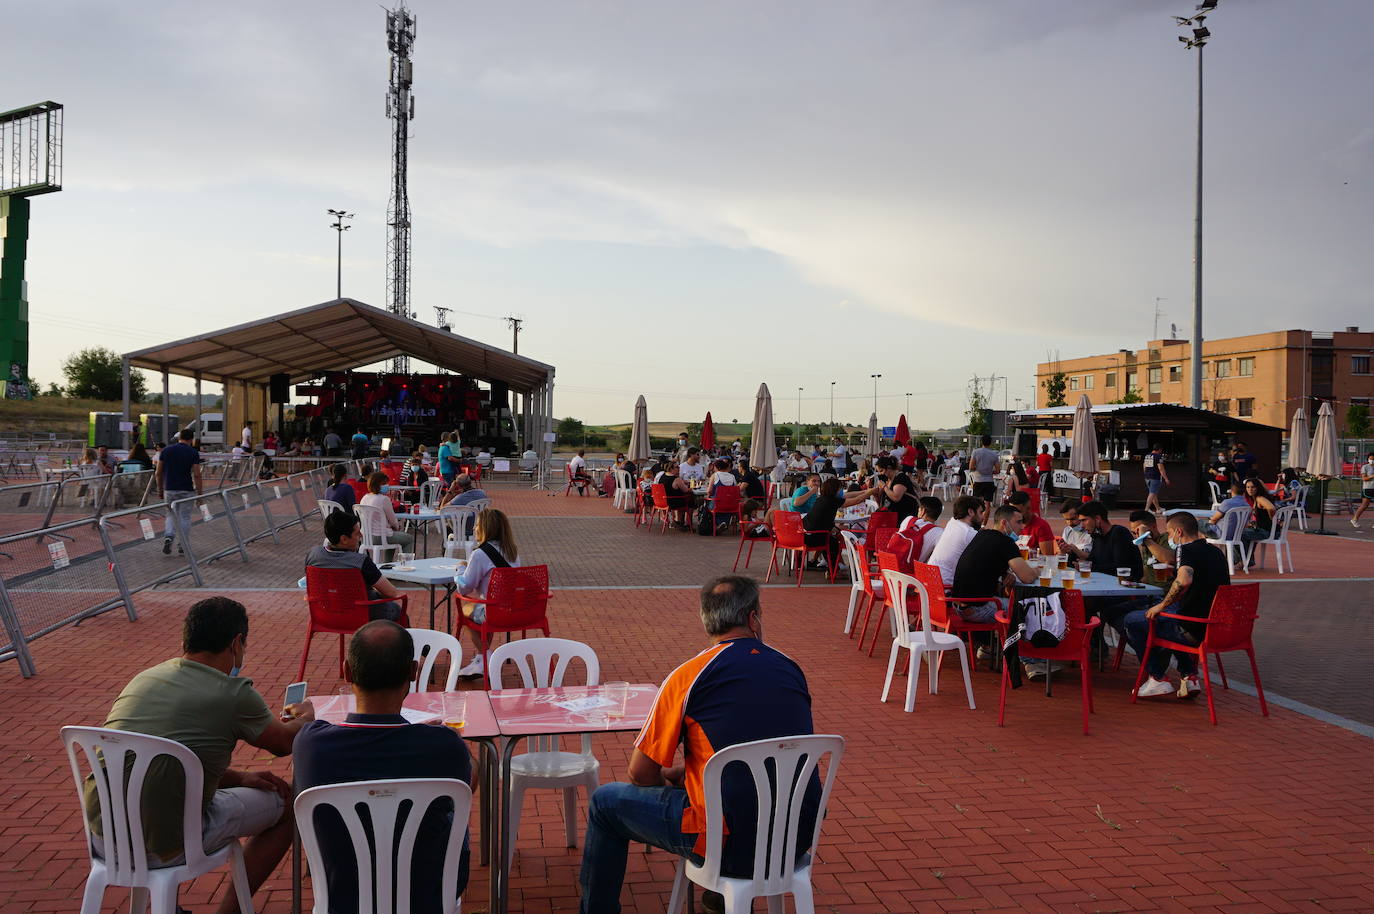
(639, 433)
(1083, 457)
(1324, 463)
(763, 446)
(1299, 444)
(874, 443)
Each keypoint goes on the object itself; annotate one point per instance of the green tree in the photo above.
(54, 390)
(1357, 421)
(96, 374)
(693, 431)
(570, 430)
(1132, 396)
(1054, 386)
(977, 412)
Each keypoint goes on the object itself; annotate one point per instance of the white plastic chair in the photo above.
(456, 520)
(854, 558)
(543, 663)
(375, 530)
(624, 490)
(429, 645)
(1232, 528)
(926, 640)
(123, 859)
(1278, 537)
(327, 507)
(1216, 494)
(944, 487)
(378, 881)
(782, 771)
(1300, 502)
(429, 492)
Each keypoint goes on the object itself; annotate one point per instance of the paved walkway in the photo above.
(936, 810)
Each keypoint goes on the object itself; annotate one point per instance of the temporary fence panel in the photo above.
(207, 529)
(252, 513)
(52, 578)
(284, 509)
(26, 507)
(138, 537)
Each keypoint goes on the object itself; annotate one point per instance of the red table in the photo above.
(560, 711)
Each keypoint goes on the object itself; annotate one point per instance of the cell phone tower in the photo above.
(400, 108)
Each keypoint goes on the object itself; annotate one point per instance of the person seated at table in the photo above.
(691, 470)
(990, 558)
(414, 474)
(1201, 570)
(967, 515)
(681, 500)
(340, 490)
(1153, 544)
(104, 460)
(1240, 497)
(1285, 487)
(375, 499)
(577, 472)
(199, 700)
(805, 496)
(819, 523)
(1111, 543)
(496, 548)
(1038, 532)
(376, 743)
(895, 490)
(344, 533)
(1073, 532)
(608, 483)
(1017, 477)
(89, 464)
(720, 476)
(138, 457)
(463, 492)
(866, 473)
(751, 488)
(1262, 507)
(917, 536)
(797, 463)
(736, 691)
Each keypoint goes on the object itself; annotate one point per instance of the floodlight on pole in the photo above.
(832, 409)
(338, 226)
(1196, 43)
(799, 393)
(875, 378)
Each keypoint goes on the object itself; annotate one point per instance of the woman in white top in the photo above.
(375, 499)
(496, 548)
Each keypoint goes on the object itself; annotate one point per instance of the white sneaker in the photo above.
(1153, 688)
(475, 667)
(983, 653)
(1191, 686)
(1354, 523)
(1036, 670)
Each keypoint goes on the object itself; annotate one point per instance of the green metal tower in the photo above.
(30, 164)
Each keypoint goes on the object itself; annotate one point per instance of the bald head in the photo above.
(381, 657)
(464, 481)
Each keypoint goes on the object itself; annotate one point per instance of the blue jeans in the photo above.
(1138, 632)
(621, 813)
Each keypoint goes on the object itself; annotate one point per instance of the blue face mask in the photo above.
(1174, 544)
(233, 672)
(386, 489)
(1014, 537)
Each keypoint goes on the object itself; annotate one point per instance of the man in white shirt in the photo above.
(577, 470)
(969, 513)
(897, 452)
(913, 526)
(246, 436)
(691, 469)
(839, 458)
(1074, 534)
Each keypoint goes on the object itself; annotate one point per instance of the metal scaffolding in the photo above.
(400, 108)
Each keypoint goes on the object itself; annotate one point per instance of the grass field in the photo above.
(65, 417)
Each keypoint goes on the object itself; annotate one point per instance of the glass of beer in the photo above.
(617, 693)
(455, 710)
(1025, 553)
(1070, 579)
(1085, 569)
(1123, 575)
(1045, 574)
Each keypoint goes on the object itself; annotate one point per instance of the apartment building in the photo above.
(1262, 378)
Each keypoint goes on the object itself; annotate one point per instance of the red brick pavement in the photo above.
(935, 810)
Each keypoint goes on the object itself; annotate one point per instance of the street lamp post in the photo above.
(799, 393)
(832, 409)
(908, 407)
(338, 226)
(1196, 43)
(875, 378)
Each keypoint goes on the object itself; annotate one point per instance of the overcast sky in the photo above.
(684, 200)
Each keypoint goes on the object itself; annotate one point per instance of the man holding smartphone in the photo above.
(200, 701)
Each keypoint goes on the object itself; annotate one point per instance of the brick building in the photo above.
(1261, 378)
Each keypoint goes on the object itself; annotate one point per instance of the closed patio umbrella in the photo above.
(1299, 444)
(1324, 463)
(763, 447)
(1083, 457)
(639, 434)
(903, 436)
(708, 434)
(874, 443)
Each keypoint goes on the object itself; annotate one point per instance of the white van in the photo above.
(209, 428)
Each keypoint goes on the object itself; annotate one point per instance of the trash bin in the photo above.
(1107, 493)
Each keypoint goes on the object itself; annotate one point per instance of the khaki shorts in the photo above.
(477, 612)
(234, 812)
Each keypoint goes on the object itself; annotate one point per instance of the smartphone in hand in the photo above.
(295, 694)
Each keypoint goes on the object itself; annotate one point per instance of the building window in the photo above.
(1223, 368)
(1073, 383)
(1245, 367)
(1132, 381)
(1175, 374)
(1156, 375)
(1206, 369)
(1245, 407)
(1221, 407)
(1111, 379)
(1088, 382)
(1359, 364)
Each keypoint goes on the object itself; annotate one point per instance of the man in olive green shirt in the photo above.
(200, 701)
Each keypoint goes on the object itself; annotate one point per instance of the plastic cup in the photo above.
(1045, 576)
(617, 693)
(1025, 553)
(1062, 560)
(1123, 575)
(406, 558)
(1070, 580)
(455, 710)
(1085, 571)
(346, 701)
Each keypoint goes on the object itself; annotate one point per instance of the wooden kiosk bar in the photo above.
(1127, 431)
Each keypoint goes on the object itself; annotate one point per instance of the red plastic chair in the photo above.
(359, 488)
(660, 507)
(337, 598)
(1230, 627)
(929, 576)
(727, 501)
(1074, 646)
(517, 601)
(393, 472)
(788, 536)
(746, 527)
(886, 562)
(581, 482)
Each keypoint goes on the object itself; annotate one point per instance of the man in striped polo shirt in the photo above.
(736, 691)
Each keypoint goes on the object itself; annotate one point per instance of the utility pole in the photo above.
(1196, 43)
(1157, 314)
(875, 378)
(338, 226)
(799, 393)
(832, 409)
(514, 323)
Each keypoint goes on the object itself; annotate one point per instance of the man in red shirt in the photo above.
(1043, 461)
(1039, 534)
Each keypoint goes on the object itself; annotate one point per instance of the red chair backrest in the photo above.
(929, 576)
(787, 530)
(333, 595)
(877, 538)
(359, 487)
(879, 520)
(726, 500)
(393, 472)
(660, 495)
(1074, 642)
(518, 598)
(1232, 617)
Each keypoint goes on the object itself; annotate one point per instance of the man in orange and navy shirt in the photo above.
(736, 691)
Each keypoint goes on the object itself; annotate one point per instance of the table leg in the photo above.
(295, 866)
(501, 903)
